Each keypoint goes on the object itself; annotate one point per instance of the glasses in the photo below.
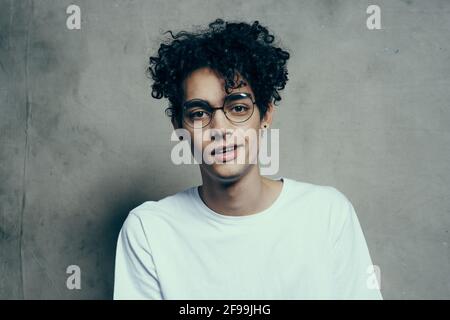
(237, 107)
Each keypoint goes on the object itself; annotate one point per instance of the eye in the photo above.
(239, 108)
(198, 114)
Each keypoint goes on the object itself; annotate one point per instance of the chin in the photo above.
(228, 172)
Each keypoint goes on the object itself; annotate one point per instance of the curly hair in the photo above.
(227, 48)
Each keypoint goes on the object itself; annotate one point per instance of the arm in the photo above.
(352, 262)
(135, 275)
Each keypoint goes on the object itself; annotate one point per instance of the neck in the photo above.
(243, 196)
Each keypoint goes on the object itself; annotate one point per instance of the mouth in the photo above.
(222, 150)
(225, 153)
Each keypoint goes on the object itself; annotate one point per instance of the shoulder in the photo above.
(326, 205)
(324, 194)
(169, 208)
(324, 202)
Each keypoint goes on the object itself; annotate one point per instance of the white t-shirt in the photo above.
(307, 245)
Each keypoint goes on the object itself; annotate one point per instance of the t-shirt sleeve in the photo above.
(354, 274)
(135, 275)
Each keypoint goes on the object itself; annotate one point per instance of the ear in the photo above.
(267, 119)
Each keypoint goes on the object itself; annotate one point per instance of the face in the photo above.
(205, 84)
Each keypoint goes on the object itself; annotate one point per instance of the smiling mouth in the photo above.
(223, 150)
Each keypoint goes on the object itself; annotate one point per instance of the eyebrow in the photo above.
(232, 96)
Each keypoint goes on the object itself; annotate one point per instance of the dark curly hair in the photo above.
(227, 48)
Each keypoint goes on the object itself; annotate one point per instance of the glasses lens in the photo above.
(238, 108)
(196, 113)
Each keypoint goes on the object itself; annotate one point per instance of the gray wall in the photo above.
(83, 142)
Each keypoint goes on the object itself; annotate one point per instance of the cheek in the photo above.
(255, 126)
(193, 142)
(199, 142)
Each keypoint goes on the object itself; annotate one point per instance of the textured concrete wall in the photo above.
(82, 141)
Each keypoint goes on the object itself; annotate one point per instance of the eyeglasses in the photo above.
(237, 107)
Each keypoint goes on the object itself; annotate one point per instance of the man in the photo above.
(239, 235)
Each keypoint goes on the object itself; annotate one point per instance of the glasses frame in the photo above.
(243, 94)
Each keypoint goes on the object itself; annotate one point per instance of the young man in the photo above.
(239, 235)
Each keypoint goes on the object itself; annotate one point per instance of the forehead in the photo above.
(206, 84)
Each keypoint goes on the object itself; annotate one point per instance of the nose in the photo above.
(219, 120)
(220, 125)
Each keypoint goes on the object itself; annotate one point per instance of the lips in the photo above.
(222, 150)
